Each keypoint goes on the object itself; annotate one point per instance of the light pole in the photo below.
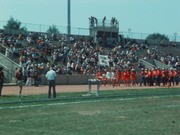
(68, 19)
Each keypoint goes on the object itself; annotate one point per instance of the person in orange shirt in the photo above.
(99, 75)
(166, 72)
(171, 77)
(154, 75)
(124, 77)
(159, 76)
(128, 76)
(149, 76)
(163, 78)
(119, 76)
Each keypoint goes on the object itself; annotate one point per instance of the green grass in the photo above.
(127, 112)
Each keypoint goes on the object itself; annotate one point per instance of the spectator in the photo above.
(20, 78)
(1, 79)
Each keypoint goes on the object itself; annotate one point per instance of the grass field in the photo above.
(127, 112)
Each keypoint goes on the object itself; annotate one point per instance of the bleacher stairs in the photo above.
(151, 63)
(8, 68)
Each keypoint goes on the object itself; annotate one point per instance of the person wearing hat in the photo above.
(51, 77)
(1, 79)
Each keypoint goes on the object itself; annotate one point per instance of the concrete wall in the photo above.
(70, 79)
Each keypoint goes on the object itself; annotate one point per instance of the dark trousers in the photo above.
(53, 86)
(1, 86)
(143, 81)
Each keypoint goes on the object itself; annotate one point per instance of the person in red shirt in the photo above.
(126, 77)
(154, 75)
(166, 73)
(159, 75)
(99, 75)
(119, 76)
(149, 76)
(171, 77)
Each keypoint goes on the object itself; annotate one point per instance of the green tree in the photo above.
(53, 30)
(13, 24)
(157, 38)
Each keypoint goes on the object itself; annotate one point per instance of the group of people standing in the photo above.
(158, 76)
(115, 77)
(19, 75)
(146, 77)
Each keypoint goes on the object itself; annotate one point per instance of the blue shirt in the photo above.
(51, 75)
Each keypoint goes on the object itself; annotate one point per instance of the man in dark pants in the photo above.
(51, 77)
(1, 79)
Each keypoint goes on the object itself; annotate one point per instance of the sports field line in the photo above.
(89, 101)
(32, 130)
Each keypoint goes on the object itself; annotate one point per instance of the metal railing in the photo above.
(85, 31)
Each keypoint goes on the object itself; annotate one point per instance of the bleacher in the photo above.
(10, 65)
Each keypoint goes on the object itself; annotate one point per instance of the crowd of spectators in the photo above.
(168, 59)
(39, 51)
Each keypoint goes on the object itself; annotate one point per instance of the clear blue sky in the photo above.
(142, 16)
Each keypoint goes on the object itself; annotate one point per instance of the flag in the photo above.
(103, 60)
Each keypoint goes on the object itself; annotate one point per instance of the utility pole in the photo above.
(68, 19)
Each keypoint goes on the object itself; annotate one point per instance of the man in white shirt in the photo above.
(51, 77)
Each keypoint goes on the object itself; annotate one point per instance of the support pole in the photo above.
(68, 19)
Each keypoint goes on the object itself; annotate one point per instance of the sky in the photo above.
(140, 16)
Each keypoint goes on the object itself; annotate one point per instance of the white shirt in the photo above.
(51, 75)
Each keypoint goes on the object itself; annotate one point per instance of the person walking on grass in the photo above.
(20, 79)
(51, 77)
(1, 79)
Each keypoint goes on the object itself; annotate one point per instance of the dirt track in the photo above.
(32, 90)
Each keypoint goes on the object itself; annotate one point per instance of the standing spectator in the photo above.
(36, 74)
(20, 79)
(1, 79)
(51, 77)
(171, 77)
(159, 76)
(119, 76)
(133, 77)
(29, 77)
(142, 77)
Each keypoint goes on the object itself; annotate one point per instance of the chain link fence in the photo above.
(85, 31)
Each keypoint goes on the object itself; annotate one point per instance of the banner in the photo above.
(103, 60)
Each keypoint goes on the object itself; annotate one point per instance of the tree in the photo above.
(13, 24)
(53, 30)
(157, 38)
